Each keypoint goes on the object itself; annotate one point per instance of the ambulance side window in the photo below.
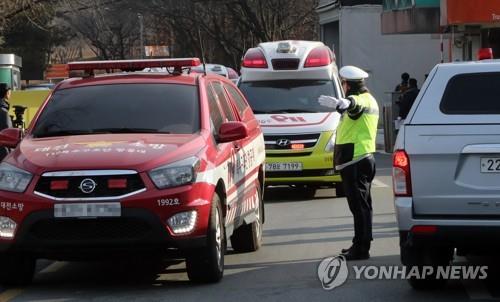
(215, 113)
(223, 101)
(238, 99)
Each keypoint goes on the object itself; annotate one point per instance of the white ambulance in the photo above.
(282, 81)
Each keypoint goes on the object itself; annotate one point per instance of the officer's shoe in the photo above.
(356, 254)
(345, 251)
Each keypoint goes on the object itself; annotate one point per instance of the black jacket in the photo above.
(406, 101)
(5, 122)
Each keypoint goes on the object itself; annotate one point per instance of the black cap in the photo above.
(4, 87)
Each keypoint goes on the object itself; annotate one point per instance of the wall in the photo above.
(385, 57)
(330, 36)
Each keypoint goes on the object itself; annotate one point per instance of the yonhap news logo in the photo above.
(334, 272)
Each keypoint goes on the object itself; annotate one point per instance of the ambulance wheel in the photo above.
(248, 237)
(339, 190)
(16, 269)
(207, 265)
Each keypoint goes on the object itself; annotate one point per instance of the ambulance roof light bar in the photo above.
(134, 65)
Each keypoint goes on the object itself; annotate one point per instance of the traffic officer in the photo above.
(5, 120)
(354, 147)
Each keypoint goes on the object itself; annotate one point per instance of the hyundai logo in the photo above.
(283, 142)
(87, 186)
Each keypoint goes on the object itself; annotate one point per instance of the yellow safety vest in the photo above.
(357, 131)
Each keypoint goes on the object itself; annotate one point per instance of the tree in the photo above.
(35, 11)
(229, 27)
(110, 28)
(32, 42)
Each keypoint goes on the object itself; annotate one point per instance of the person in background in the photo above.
(5, 121)
(408, 98)
(354, 148)
(403, 86)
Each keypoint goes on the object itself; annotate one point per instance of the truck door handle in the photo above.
(481, 148)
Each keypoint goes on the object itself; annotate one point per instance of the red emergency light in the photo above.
(133, 65)
(318, 57)
(254, 58)
(57, 185)
(485, 54)
(119, 183)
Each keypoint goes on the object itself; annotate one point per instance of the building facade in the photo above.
(353, 30)
(467, 25)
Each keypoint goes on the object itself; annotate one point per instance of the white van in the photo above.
(282, 82)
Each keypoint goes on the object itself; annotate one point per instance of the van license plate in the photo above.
(80, 210)
(284, 167)
(490, 164)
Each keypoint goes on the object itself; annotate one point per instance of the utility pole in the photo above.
(141, 33)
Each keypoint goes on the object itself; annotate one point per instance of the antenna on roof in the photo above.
(202, 52)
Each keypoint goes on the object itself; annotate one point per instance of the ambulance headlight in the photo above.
(175, 174)
(13, 179)
(330, 146)
(7, 227)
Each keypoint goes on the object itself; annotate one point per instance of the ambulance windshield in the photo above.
(287, 96)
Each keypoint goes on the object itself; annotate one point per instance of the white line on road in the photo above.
(376, 183)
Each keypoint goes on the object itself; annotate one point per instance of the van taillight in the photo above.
(401, 176)
(254, 58)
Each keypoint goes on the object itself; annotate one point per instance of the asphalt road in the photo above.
(298, 234)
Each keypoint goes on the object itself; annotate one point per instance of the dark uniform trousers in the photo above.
(357, 179)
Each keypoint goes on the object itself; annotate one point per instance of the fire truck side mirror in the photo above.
(10, 137)
(232, 131)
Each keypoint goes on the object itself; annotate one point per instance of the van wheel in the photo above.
(339, 189)
(16, 269)
(248, 237)
(207, 265)
(418, 257)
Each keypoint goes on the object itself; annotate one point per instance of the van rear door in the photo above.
(453, 141)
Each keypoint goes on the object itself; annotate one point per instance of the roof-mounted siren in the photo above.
(133, 65)
(319, 57)
(286, 47)
(485, 54)
(254, 58)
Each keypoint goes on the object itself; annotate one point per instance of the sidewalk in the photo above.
(380, 141)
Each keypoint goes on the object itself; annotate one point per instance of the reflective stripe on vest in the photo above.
(357, 131)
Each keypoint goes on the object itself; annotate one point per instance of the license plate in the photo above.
(284, 167)
(80, 210)
(490, 164)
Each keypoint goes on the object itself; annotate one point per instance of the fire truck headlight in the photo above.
(13, 179)
(175, 174)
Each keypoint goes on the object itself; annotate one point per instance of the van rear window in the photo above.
(472, 93)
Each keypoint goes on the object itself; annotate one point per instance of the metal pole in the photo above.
(141, 33)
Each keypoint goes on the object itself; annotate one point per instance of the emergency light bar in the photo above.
(133, 65)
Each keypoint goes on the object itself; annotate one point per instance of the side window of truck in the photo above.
(216, 117)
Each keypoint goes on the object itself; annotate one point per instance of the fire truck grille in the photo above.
(132, 183)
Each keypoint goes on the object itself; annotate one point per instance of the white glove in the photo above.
(332, 102)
